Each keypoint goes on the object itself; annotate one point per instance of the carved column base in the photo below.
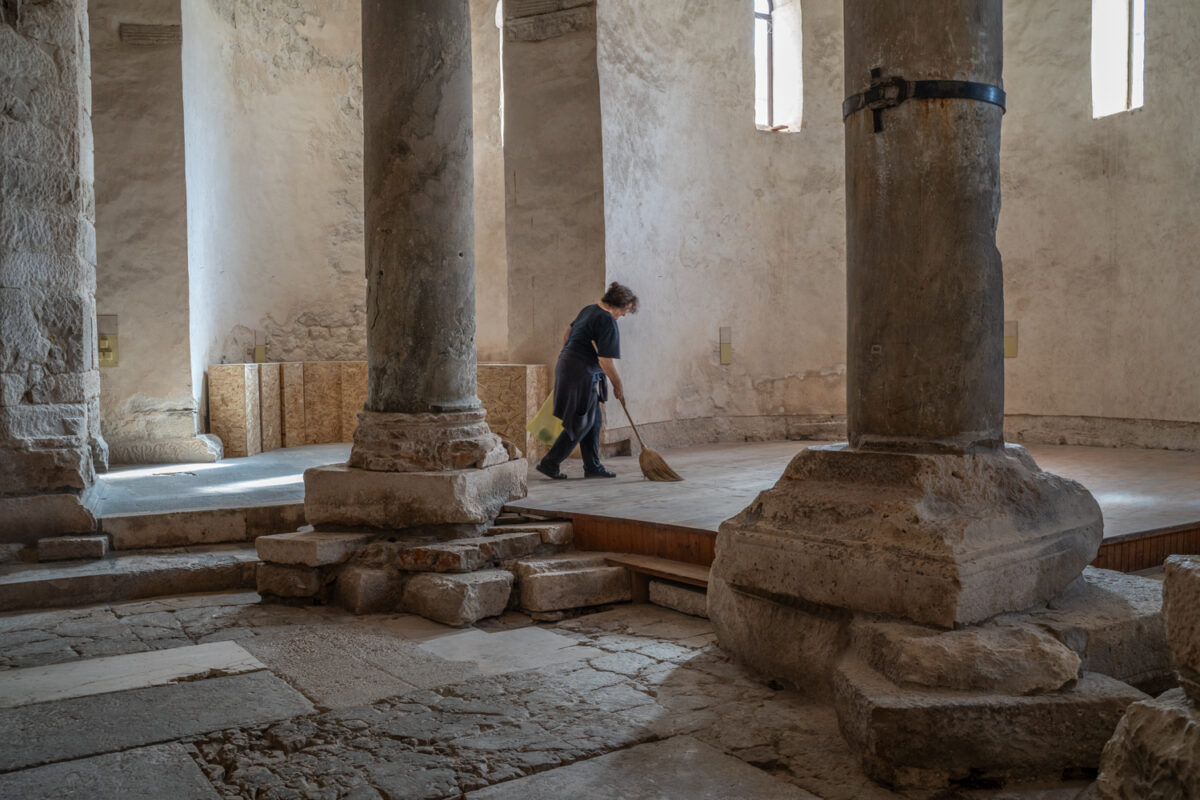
(385, 442)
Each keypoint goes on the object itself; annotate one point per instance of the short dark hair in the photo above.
(619, 296)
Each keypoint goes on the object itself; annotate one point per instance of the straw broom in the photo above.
(652, 464)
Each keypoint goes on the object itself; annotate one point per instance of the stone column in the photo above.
(423, 428)
(50, 441)
(925, 515)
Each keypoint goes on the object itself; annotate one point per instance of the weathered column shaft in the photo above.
(419, 206)
(925, 306)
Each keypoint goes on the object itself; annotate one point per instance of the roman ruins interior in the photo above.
(282, 281)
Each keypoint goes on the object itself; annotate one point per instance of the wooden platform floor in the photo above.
(1143, 494)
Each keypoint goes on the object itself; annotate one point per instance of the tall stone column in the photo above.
(423, 453)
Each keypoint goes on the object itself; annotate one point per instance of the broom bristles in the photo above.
(655, 468)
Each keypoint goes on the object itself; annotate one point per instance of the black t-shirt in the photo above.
(594, 324)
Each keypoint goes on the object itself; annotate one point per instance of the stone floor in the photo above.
(216, 696)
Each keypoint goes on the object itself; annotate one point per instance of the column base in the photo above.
(387, 442)
(202, 448)
(348, 497)
(25, 519)
(946, 540)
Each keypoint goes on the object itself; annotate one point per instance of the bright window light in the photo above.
(1118, 56)
(778, 84)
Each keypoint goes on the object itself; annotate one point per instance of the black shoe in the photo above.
(600, 473)
(557, 475)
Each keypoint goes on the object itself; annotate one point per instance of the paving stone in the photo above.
(310, 548)
(510, 650)
(678, 767)
(64, 548)
(147, 773)
(84, 726)
(679, 598)
(458, 599)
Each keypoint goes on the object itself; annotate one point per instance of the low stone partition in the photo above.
(1155, 751)
(258, 407)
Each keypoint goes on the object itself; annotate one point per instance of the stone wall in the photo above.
(715, 223)
(273, 130)
(50, 439)
(148, 412)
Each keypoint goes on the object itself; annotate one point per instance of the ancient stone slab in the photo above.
(458, 599)
(498, 652)
(203, 448)
(310, 548)
(1003, 659)
(29, 518)
(284, 580)
(84, 726)
(22, 687)
(1113, 620)
(904, 733)
(498, 547)
(444, 557)
(341, 495)
(559, 584)
(552, 533)
(354, 396)
(683, 599)
(233, 408)
(1155, 752)
(425, 442)
(1181, 612)
(208, 526)
(368, 590)
(63, 548)
(322, 402)
(270, 400)
(941, 539)
(148, 773)
(677, 767)
(292, 403)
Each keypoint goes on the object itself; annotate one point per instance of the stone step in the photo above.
(126, 576)
(569, 581)
(205, 526)
(70, 548)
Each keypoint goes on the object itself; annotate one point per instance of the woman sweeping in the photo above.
(591, 346)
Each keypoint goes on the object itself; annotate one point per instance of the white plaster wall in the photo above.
(141, 226)
(714, 223)
(1099, 231)
(273, 122)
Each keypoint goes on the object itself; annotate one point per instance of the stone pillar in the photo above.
(423, 425)
(50, 443)
(925, 515)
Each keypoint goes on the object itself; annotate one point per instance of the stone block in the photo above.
(1181, 612)
(63, 548)
(499, 547)
(946, 540)
(176, 529)
(322, 402)
(458, 599)
(1154, 753)
(557, 584)
(291, 410)
(551, 533)
(270, 399)
(290, 581)
(233, 408)
(1003, 659)
(425, 442)
(341, 495)
(942, 735)
(310, 548)
(26, 519)
(441, 557)
(1114, 622)
(684, 599)
(51, 469)
(368, 590)
(354, 396)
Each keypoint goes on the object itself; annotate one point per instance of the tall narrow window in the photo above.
(1118, 55)
(778, 88)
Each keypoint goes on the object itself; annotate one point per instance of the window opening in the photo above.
(778, 91)
(1118, 56)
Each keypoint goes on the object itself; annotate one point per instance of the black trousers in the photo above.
(589, 448)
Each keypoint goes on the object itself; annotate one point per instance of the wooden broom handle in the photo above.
(641, 444)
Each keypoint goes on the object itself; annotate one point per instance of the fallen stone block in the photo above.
(310, 548)
(1181, 612)
(1155, 752)
(1004, 659)
(65, 548)
(683, 599)
(368, 590)
(556, 584)
(458, 600)
(457, 556)
(284, 580)
(927, 736)
(509, 546)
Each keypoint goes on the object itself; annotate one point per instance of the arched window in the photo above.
(778, 88)
(1118, 55)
